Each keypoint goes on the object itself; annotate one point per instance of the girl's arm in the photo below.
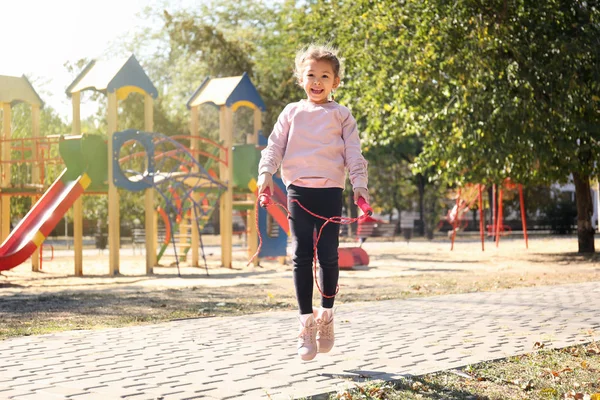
(355, 162)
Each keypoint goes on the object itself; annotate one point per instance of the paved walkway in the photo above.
(254, 356)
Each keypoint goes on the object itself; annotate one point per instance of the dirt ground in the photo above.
(40, 302)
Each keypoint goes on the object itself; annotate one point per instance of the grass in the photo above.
(81, 310)
(570, 373)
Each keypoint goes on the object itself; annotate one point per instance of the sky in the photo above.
(39, 36)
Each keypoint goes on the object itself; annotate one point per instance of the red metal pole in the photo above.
(494, 209)
(523, 216)
(481, 225)
(500, 217)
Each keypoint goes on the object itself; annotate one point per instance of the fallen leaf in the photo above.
(557, 373)
(593, 348)
(538, 345)
(577, 396)
(572, 350)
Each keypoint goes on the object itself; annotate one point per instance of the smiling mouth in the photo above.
(316, 91)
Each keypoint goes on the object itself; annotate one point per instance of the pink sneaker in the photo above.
(325, 334)
(307, 343)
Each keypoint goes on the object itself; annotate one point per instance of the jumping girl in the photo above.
(315, 141)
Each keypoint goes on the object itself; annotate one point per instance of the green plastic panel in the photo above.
(245, 165)
(86, 153)
(70, 151)
(95, 150)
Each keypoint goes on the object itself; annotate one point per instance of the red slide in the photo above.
(31, 232)
(278, 214)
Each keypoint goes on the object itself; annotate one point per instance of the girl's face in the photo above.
(318, 80)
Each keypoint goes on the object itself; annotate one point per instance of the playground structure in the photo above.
(16, 90)
(99, 166)
(465, 200)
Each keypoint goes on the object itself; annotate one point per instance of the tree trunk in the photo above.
(585, 210)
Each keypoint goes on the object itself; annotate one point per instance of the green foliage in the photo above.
(492, 89)
(393, 186)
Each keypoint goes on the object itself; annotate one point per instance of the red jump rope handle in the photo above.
(364, 206)
(264, 199)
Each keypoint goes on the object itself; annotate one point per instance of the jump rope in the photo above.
(265, 201)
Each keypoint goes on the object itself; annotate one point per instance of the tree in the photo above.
(524, 79)
(507, 88)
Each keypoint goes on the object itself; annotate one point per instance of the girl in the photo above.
(314, 141)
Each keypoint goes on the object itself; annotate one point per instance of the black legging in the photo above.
(326, 202)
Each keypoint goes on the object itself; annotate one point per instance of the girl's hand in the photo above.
(361, 192)
(265, 180)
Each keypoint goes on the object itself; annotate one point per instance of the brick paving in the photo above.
(253, 357)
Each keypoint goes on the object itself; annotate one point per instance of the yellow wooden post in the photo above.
(195, 146)
(78, 236)
(151, 230)
(78, 205)
(114, 235)
(35, 170)
(251, 220)
(5, 200)
(226, 175)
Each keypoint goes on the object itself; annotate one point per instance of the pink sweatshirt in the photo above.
(315, 141)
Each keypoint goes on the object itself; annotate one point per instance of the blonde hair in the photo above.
(317, 52)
